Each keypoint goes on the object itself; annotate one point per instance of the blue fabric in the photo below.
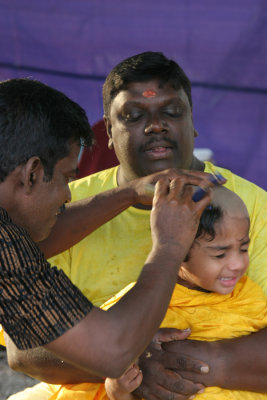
(222, 46)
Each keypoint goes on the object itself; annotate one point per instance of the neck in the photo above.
(197, 165)
(189, 285)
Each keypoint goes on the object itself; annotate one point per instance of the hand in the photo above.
(175, 216)
(145, 196)
(160, 381)
(121, 388)
(207, 351)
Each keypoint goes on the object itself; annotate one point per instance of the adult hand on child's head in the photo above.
(160, 381)
(144, 187)
(175, 215)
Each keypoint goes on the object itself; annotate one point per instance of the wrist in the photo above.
(219, 363)
(171, 249)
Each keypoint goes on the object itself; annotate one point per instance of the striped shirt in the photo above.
(37, 303)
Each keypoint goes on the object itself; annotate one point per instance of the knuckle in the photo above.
(182, 363)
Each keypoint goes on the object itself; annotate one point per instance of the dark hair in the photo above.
(36, 120)
(142, 68)
(209, 217)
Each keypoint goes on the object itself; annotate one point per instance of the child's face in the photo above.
(217, 265)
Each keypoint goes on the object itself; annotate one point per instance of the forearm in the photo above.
(109, 341)
(241, 363)
(44, 366)
(235, 364)
(82, 217)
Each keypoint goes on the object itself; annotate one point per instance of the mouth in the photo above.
(158, 150)
(229, 281)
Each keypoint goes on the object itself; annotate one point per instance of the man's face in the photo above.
(217, 265)
(43, 205)
(151, 129)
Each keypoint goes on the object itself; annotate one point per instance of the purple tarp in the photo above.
(222, 46)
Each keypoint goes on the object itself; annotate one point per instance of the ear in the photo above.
(109, 132)
(31, 173)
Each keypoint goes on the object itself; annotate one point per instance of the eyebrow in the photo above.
(227, 247)
(168, 101)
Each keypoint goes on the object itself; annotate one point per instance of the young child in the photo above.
(213, 297)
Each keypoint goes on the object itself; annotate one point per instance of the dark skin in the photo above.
(151, 134)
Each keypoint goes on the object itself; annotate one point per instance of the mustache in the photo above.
(161, 140)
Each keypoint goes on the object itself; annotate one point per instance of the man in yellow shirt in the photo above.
(148, 115)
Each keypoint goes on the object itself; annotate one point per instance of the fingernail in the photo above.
(201, 391)
(192, 397)
(204, 369)
(186, 330)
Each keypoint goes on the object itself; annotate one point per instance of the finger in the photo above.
(183, 363)
(134, 383)
(205, 200)
(176, 188)
(170, 334)
(171, 384)
(161, 190)
(132, 373)
(146, 391)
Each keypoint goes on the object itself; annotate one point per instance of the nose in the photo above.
(155, 124)
(236, 263)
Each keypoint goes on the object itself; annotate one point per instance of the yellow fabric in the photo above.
(41, 391)
(210, 317)
(2, 340)
(107, 260)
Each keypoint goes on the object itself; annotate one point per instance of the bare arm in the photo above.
(237, 364)
(45, 366)
(124, 331)
(82, 217)
(35, 362)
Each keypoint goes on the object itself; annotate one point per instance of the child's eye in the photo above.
(244, 250)
(220, 255)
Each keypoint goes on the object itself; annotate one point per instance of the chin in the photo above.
(40, 236)
(224, 291)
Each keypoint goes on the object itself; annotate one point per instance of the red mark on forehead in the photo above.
(149, 93)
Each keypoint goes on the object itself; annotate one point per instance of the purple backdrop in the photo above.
(72, 45)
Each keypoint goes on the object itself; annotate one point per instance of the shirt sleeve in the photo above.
(38, 303)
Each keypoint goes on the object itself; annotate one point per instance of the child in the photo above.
(212, 295)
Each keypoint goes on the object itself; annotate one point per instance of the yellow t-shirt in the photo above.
(108, 259)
